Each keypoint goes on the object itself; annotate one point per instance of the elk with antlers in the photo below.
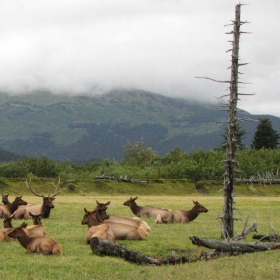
(38, 244)
(44, 208)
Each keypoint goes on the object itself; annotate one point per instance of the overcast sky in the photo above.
(89, 46)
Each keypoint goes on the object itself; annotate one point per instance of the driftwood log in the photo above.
(234, 246)
(121, 179)
(110, 248)
(269, 237)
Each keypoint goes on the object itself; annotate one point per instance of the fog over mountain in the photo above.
(93, 46)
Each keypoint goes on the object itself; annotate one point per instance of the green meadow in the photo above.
(78, 261)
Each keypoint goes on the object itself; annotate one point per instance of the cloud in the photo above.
(160, 46)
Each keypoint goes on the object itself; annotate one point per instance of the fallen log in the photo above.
(110, 248)
(269, 237)
(234, 246)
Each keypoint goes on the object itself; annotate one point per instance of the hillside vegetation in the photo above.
(82, 128)
(114, 188)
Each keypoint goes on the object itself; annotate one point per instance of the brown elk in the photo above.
(44, 208)
(182, 216)
(5, 199)
(10, 208)
(135, 221)
(6, 230)
(38, 244)
(166, 216)
(37, 229)
(99, 226)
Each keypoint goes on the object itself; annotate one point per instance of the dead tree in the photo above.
(231, 141)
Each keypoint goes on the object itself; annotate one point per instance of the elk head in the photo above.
(130, 202)
(5, 199)
(101, 207)
(17, 232)
(199, 208)
(47, 200)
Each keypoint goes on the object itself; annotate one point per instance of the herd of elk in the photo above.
(149, 211)
(164, 215)
(135, 221)
(43, 208)
(10, 207)
(99, 225)
(37, 229)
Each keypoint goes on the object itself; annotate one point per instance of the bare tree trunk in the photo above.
(227, 219)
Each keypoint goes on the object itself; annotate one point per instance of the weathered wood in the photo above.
(110, 248)
(121, 179)
(234, 246)
(227, 219)
(269, 237)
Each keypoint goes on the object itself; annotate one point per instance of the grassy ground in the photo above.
(259, 203)
(78, 261)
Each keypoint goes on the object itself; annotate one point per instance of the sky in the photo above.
(93, 46)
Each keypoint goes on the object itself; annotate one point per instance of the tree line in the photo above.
(139, 162)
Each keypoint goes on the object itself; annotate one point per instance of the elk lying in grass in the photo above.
(166, 216)
(10, 208)
(182, 216)
(135, 221)
(99, 226)
(38, 244)
(37, 229)
(6, 230)
(44, 208)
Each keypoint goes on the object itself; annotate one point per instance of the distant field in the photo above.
(78, 261)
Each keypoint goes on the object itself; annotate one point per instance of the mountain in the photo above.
(87, 127)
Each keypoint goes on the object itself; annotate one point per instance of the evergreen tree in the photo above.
(265, 136)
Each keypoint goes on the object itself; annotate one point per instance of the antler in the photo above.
(32, 190)
(56, 193)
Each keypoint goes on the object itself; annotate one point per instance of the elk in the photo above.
(6, 230)
(10, 208)
(44, 208)
(135, 221)
(5, 199)
(166, 216)
(182, 216)
(37, 229)
(38, 244)
(99, 226)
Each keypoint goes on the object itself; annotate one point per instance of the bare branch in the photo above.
(212, 80)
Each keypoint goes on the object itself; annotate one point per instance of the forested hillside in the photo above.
(84, 128)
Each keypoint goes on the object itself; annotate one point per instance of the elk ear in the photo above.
(85, 210)
(135, 197)
(107, 203)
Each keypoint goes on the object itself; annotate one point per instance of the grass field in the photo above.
(78, 261)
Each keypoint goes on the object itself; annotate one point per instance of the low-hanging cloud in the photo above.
(160, 46)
